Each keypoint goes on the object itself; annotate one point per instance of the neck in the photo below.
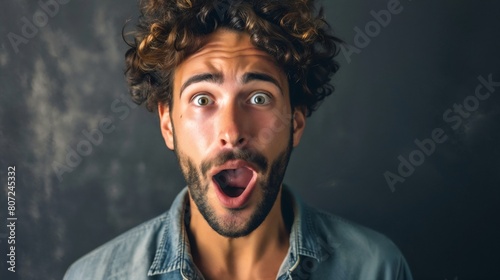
(262, 251)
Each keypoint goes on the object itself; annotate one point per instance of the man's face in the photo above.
(232, 129)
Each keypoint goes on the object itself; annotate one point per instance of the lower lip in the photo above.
(236, 202)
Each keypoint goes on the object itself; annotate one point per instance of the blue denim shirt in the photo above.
(322, 246)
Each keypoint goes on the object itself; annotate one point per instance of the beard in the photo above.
(269, 185)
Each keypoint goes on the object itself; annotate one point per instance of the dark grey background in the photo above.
(66, 78)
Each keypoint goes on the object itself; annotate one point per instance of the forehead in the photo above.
(228, 44)
(230, 53)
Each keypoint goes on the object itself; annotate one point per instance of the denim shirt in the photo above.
(322, 246)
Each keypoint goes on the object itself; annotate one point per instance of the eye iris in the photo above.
(202, 101)
(259, 99)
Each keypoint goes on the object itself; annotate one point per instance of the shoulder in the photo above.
(131, 251)
(357, 250)
(349, 234)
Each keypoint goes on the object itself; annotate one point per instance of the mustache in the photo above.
(256, 158)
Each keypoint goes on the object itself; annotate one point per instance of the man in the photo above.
(233, 84)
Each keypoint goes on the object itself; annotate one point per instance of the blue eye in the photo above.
(202, 100)
(260, 99)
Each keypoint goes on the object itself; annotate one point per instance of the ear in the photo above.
(299, 124)
(166, 125)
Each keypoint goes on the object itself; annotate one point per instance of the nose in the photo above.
(232, 126)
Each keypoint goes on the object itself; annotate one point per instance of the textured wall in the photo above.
(61, 78)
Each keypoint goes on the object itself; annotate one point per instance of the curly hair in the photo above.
(289, 30)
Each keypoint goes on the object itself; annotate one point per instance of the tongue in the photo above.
(234, 181)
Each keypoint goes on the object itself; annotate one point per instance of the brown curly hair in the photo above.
(169, 31)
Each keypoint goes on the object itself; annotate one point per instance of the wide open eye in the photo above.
(260, 98)
(202, 100)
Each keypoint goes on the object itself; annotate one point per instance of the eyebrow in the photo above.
(217, 78)
(205, 77)
(255, 76)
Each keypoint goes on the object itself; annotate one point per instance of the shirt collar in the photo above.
(305, 240)
(173, 252)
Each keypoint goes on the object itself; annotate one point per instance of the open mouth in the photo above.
(233, 182)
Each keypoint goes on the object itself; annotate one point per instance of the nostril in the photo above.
(241, 141)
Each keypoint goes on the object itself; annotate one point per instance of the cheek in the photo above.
(273, 134)
(194, 134)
